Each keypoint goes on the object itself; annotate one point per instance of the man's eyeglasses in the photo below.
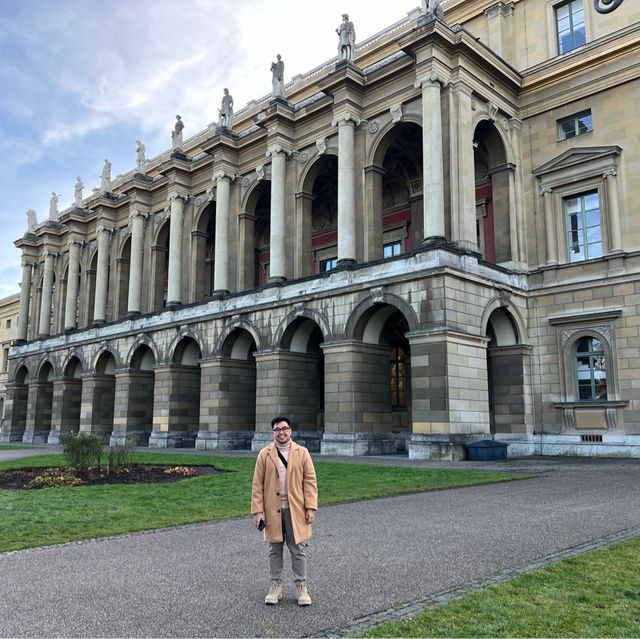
(284, 429)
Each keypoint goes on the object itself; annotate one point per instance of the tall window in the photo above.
(398, 378)
(570, 26)
(328, 264)
(584, 233)
(591, 373)
(574, 125)
(392, 249)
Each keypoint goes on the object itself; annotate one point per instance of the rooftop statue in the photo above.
(32, 221)
(434, 8)
(53, 207)
(77, 192)
(277, 78)
(105, 177)
(346, 39)
(176, 134)
(141, 160)
(225, 112)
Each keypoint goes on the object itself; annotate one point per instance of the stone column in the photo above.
(549, 226)
(102, 276)
(221, 257)
(174, 294)
(71, 303)
(346, 189)
(44, 326)
(463, 186)
(432, 159)
(614, 211)
(133, 407)
(268, 398)
(97, 404)
(302, 249)
(516, 143)
(373, 206)
(65, 413)
(277, 249)
(134, 301)
(25, 300)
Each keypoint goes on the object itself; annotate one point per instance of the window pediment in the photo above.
(578, 162)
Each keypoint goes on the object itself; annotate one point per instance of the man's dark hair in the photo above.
(277, 420)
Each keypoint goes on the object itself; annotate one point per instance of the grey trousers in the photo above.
(298, 553)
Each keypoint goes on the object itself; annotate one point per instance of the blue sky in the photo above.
(83, 79)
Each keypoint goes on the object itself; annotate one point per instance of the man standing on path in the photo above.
(284, 498)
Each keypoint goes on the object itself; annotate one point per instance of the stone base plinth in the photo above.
(229, 440)
(8, 438)
(134, 438)
(441, 447)
(172, 440)
(356, 444)
(35, 437)
(261, 439)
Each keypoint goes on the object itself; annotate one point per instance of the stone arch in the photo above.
(494, 175)
(99, 390)
(369, 307)
(105, 362)
(203, 239)
(507, 368)
(142, 340)
(225, 343)
(123, 267)
(69, 399)
(160, 264)
(290, 320)
(41, 405)
(184, 337)
(318, 214)
(256, 230)
(19, 402)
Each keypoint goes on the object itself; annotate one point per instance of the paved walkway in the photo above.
(368, 560)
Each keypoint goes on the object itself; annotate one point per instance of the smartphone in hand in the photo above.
(261, 525)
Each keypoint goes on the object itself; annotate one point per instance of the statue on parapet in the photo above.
(53, 206)
(105, 177)
(433, 8)
(346, 39)
(32, 221)
(141, 159)
(225, 112)
(176, 134)
(77, 192)
(277, 78)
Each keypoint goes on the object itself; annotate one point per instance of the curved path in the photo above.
(368, 560)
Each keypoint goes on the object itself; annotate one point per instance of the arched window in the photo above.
(590, 369)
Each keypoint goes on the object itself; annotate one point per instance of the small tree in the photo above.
(82, 451)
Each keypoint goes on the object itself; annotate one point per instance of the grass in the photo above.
(593, 595)
(33, 518)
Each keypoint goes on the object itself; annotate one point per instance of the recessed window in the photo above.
(328, 264)
(575, 125)
(392, 249)
(8, 323)
(590, 367)
(398, 378)
(570, 26)
(584, 233)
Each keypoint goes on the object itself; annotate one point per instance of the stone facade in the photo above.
(9, 309)
(431, 244)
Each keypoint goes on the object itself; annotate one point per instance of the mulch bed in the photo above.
(135, 474)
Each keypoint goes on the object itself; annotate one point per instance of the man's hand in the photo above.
(256, 519)
(309, 515)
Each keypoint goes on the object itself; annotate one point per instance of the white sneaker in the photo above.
(275, 593)
(303, 594)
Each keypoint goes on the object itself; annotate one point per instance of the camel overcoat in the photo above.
(302, 490)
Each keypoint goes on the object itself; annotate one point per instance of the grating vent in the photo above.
(591, 438)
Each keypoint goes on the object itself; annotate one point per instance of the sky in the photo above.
(82, 80)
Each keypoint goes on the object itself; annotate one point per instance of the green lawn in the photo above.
(593, 595)
(55, 515)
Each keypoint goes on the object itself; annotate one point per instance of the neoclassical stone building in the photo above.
(434, 243)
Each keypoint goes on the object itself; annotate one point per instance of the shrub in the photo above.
(82, 451)
(119, 457)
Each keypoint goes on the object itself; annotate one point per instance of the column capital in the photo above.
(545, 190)
(223, 175)
(102, 228)
(275, 149)
(430, 80)
(516, 124)
(74, 242)
(27, 263)
(610, 172)
(346, 119)
(374, 168)
(136, 213)
(49, 253)
(178, 195)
